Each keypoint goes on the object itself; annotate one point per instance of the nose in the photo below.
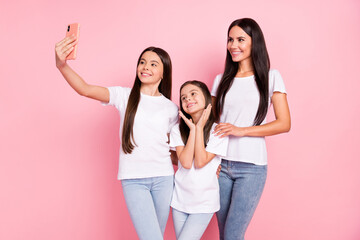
(234, 44)
(146, 66)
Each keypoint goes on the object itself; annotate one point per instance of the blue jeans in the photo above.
(148, 202)
(190, 226)
(241, 186)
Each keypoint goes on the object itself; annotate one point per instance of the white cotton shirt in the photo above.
(240, 108)
(196, 190)
(154, 118)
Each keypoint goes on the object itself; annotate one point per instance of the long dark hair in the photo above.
(261, 64)
(127, 140)
(184, 129)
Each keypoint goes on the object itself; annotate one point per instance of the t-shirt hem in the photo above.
(245, 160)
(181, 208)
(124, 177)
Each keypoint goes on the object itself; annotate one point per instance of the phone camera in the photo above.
(68, 28)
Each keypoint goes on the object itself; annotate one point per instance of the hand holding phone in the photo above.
(73, 29)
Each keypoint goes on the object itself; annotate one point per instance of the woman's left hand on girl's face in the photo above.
(226, 129)
(204, 117)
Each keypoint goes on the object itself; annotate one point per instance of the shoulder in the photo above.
(218, 77)
(172, 107)
(274, 73)
(216, 84)
(213, 127)
(175, 130)
(119, 90)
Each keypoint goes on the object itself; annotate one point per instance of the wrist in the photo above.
(244, 131)
(61, 65)
(199, 128)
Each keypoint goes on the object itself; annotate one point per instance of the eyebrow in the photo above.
(192, 90)
(150, 60)
(238, 37)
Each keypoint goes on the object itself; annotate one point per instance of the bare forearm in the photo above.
(74, 80)
(200, 159)
(187, 155)
(81, 87)
(275, 127)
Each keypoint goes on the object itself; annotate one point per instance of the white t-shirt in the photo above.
(155, 116)
(197, 189)
(240, 108)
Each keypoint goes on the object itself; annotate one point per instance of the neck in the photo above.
(245, 66)
(150, 89)
(196, 116)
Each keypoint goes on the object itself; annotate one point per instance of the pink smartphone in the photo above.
(73, 28)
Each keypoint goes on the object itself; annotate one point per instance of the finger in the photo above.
(67, 52)
(66, 41)
(220, 125)
(225, 134)
(187, 121)
(222, 131)
(70, 45)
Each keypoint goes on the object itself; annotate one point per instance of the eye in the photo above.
(183, 98)
(141, 62)
(153, 65)
(230, 40)
(241, 40)
(193, 94)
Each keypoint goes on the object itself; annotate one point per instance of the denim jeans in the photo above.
(190, 226)
(148, 202)
(241, 186)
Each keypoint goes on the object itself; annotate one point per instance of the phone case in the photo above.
(73, 28)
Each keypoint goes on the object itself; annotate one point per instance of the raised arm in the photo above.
(186, 153)
(281, 124)
(62, 50)
(202, 157)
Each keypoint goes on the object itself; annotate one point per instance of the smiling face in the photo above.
(150, 68)
(192, 99)
(239, 44)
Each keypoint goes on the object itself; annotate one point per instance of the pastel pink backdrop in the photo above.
(59, 151)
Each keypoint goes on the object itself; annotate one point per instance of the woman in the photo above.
(241, 96)
(146, 118)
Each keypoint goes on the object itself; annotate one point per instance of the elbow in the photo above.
(186, 166)
(199, 164)
(286, 128)
(83, 93)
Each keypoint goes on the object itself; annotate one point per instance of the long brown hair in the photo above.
(184, 129)
(127, 139)
(261, 63)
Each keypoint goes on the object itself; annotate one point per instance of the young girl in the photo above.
(146, 117)
(196, 193)
(242, 97)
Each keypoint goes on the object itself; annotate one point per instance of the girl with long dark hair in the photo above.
(241, 96)
(196, 192)
(146, 118)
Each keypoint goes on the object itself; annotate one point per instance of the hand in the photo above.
(189, 122)
(63, 49)
(226, 129)
(218, 171)
(204, 117)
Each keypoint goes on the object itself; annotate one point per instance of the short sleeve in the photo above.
(118, 97)
(276, 82)
(217, 145)
(174, 117)
(175, 137)
(215, 85)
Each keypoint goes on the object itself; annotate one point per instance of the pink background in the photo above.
(59, 151)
